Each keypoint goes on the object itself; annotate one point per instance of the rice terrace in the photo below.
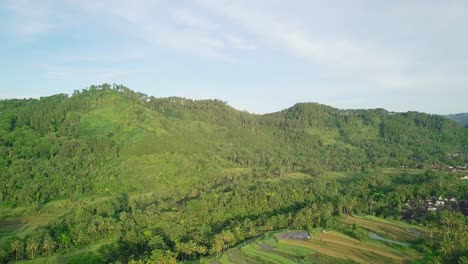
(330, 246)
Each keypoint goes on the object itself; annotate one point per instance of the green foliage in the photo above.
(174, 178)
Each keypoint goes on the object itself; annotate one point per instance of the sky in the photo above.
(258, 55)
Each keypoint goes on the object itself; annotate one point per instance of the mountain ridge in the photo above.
(181, 99)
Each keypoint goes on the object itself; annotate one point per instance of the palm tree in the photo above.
(191, 247)
(92, 229)
(239, 233)
(342, 205)
(48, 244)
(101, 226)
(228, 238)
(432, 227)
(290, 219)
(218, 245)
(202, 250)
(32, 245)
(109, 225)
(17, 248)
(186, 248)
(352, 203)
(162, 257)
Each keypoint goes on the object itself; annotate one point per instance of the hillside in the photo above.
(99, 132)
(146, 174)
(461, 119)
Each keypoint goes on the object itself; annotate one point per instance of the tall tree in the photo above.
(17, 248)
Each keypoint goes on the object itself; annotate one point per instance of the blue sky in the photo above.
(260, 56)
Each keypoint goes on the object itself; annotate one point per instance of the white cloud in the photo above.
(158, 24)
(351, 61)
(240, 43)
(188, 19)
(31, 18)
(346, 57)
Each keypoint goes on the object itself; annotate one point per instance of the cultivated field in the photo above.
(395, 230)
(265, 250)
(332, 246)
(338, 245)
(20, 226)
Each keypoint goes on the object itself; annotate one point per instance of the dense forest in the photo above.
(158, 180)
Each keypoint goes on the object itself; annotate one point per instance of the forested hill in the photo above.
(110, 139)
(461, 119)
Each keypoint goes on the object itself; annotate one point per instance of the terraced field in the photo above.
(20, 226)
(338, 245)
(332, 246)
(395, 230)
(266, 250)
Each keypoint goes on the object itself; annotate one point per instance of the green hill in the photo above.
(154, 173)
(461, 119)
(95, 135)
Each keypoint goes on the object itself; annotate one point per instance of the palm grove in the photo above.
(161, 180)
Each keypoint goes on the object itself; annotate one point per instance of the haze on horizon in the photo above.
(260, 56)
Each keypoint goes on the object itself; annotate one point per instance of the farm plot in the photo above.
(394, 230)
(332, 246)
(338, 245)
(266, 250)
(20, 226)
(296, 235)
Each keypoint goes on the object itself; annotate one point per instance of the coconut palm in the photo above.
(32, 245)
(17, 248)
(218, 245)
(48, 245)
(92, 230)
(228, 238)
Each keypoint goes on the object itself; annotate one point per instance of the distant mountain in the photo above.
(461, 118)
